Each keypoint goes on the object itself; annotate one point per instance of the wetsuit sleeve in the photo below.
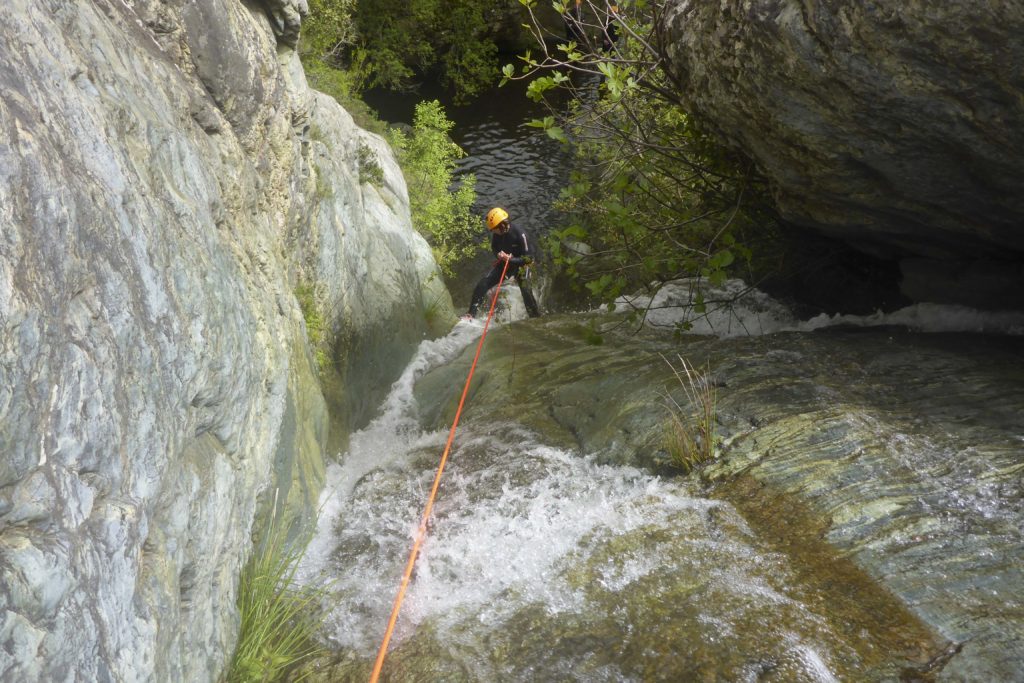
(526, 257)
(495, 245)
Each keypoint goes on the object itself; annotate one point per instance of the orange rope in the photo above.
(422, 531)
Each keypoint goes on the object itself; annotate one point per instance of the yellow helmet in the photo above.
(496, 217)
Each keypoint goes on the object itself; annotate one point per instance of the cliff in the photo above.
(894, 127)
(167, 182)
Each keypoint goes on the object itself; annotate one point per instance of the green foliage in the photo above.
(305, 294)
(442, 216)
(389, 43)
(339, 63)
(652, 196)
(690, 435)
(329, 27)
(342, 86)
(279, 618)
(331, 58)
(324, 190)
(651, 212)
(370, 170)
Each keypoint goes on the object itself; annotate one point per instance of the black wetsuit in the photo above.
(573, 19)
(512, 242)
(611, 34)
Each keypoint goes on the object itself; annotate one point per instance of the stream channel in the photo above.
(862, 522)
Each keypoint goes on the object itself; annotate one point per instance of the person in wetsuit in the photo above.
(508, 243)
(611, 29)
(573, 19)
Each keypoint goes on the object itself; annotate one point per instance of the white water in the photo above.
(756, 313)
(513, 519)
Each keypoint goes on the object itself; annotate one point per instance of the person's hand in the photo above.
(504, 256)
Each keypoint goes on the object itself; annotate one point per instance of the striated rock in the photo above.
(883, 465)
(893, 126)
(158, 174)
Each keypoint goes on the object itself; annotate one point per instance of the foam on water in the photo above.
(506, 546)
(752, 313)
(510, 512)
(387, 440)
(514, 518)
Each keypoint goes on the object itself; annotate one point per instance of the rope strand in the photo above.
(422, 531)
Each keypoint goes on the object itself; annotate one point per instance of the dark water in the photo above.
(517, 167)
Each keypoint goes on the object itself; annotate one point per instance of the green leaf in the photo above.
(557, 133)
(721, 259)
(614, 209)
(538, 86)
(576, 231)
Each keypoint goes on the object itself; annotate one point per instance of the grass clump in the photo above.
(690, 437)
(316, 327)
(280, 618)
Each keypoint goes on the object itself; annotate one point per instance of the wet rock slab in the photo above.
(902, 453)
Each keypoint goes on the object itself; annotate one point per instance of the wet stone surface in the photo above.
(903, 449)
(862, 521)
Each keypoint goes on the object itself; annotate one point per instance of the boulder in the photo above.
(896, 127)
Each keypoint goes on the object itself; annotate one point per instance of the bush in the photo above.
(444, 217)
(389, 43)
(652, 197)
(338, 62)
(305, 294)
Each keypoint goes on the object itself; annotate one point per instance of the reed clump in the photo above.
(690, 436)
(280, 617)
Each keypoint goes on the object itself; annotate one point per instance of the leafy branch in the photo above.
(653, 197)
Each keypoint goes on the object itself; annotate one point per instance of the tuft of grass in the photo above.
(690, 437)
(280, 618)
(305, 294)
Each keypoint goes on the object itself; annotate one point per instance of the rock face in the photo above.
(894, 126)
(166, 182)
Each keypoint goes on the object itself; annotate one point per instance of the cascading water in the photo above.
(524, 527)
(548, 562)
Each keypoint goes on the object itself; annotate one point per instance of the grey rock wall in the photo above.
(161, 195)
(896, 126)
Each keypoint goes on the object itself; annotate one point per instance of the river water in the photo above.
(863, 523)
(517, 167)
(545, 564)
